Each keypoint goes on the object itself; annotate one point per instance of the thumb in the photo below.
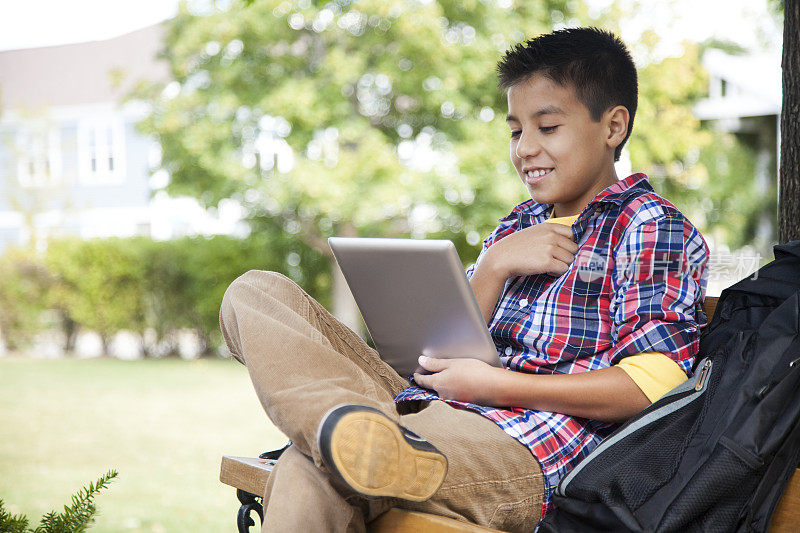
(433, 364)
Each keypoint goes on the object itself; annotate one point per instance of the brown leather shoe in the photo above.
(378, 457)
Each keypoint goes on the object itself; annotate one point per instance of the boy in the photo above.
(592, 291)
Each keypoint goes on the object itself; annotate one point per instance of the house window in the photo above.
(38, 151)
(100, 145)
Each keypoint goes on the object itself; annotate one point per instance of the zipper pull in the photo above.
(703, 375)
(768, 387)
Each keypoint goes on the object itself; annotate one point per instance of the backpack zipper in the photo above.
(703, 375)
(768, 387)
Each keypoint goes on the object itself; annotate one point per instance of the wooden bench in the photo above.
(249, 476)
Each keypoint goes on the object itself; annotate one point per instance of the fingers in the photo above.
(557, 268)
(433, 364)
(557, 259)
(553, 246)
(424, 380)
(567, 244)
(561, 229)
(562, 255)
(563, 237)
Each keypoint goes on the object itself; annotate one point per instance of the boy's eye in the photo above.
(515, 134)
(547, 129)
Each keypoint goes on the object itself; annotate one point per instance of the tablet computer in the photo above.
(415, 300)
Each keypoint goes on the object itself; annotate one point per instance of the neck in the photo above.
(574, 207)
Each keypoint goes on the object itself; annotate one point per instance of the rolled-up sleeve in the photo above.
(659, 278)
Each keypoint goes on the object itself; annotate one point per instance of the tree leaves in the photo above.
(347, 78)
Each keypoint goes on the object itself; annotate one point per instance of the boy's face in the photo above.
(561, 155)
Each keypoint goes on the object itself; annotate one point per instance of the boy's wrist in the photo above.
(514, 389)
(493, 388)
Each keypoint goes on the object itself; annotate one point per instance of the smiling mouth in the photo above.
(535, 176)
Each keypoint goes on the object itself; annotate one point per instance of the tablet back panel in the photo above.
(415, 299)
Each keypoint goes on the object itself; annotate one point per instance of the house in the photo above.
(71, 159)
(744, 98)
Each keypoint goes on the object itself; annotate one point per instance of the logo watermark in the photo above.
(591, 266)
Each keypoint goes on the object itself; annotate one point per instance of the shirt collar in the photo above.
(613, 194)
(528, 207)
(621, 190)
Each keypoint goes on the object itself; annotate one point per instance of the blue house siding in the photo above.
(70, 191)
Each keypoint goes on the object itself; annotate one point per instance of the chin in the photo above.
(542, 197)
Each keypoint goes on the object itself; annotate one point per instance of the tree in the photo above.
(372, 98)
(377, 118)
(789, 204)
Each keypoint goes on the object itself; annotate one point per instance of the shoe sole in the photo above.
(374, 457)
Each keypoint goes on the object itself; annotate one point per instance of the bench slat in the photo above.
(710, 305)
(247, 473)
(787, 515)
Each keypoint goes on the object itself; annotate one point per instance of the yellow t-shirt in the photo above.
(653, 372)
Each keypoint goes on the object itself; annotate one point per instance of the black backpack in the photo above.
(716, 452)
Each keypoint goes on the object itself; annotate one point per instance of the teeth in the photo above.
(537, 173)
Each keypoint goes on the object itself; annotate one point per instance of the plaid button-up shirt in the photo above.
(636, 285)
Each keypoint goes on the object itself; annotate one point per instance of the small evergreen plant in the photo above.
(75, 518)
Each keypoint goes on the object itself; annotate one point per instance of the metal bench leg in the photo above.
(250, 502)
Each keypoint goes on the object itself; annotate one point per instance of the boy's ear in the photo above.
(617, 120)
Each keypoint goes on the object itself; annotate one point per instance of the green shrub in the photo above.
(136, 284)
(74, 518)
(23, 288)
(190, 276)
(99, 283)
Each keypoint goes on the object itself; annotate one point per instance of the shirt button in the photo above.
(523, 303)
(508, 350)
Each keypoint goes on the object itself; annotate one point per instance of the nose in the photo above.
(527, 146)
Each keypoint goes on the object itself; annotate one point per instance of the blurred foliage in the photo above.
(779, 6)
(99, 283)
(665, 130)
(185, 279)
(75, 518)
(377, 117)
(708, 173)
(23, 292)
(390, 113)
(389, 107)
(734, 203)
(140, 285)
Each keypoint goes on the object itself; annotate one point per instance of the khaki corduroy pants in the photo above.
(302, 362)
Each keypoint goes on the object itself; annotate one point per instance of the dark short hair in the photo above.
(594, 62)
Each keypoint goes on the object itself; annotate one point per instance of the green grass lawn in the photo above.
(163, 424)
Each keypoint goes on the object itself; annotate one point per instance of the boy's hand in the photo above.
(544, 248)
(464, 380)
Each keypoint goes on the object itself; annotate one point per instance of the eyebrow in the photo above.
(547, 110)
